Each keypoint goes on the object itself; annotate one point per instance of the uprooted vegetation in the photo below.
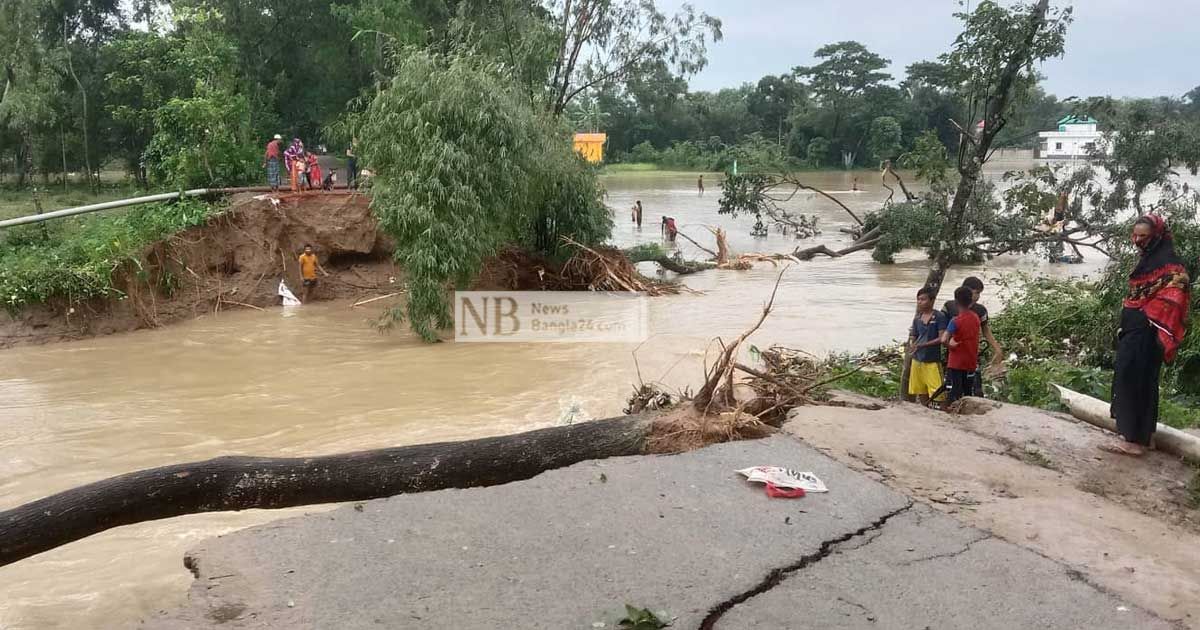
(737, 401)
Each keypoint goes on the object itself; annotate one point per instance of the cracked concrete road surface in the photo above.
(682, 535)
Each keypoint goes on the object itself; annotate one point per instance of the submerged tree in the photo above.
(463, 166)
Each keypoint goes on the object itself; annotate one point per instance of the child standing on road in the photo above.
(925, 344)
(962, 337)
(299, 173)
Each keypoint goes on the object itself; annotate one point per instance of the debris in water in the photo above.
(289, 299)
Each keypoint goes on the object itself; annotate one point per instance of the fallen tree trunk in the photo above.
(1095, 411)
(679, 266)
(683, 267)
(240, 483)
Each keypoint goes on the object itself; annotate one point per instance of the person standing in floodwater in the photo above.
(309, 266)
(700, 185)
(668, 228)
(1153, 323)
(271, 159)
(636, 213)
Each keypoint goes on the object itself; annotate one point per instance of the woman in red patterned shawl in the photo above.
(1152, 327)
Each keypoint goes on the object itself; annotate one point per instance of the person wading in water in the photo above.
(637, 213)
(1153, 323)
(309, 266)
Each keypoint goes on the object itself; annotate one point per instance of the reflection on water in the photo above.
(321, 381)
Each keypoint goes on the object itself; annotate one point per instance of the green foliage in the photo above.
(1031, 382)
(904, 225)
(464, 166)
(881, 382)
(203, 141)
(884, 141)
(928, 158)
(817, 151)
(641, 619)
(753, 153)
(1064, 332)
(77, 261)
(646, 251)
(142, 71)
(993, 36)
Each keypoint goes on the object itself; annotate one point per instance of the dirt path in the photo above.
(1037, 480)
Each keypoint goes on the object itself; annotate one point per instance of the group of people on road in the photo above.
(303, 168)
(1152, 326)
(959, 327)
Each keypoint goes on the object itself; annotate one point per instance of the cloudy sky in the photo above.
(1115, 47)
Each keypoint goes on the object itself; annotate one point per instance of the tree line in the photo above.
(182, 92)
(845, 110)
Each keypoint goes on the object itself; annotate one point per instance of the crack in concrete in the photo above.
(865, 611)
(776, 576)
(949, 554)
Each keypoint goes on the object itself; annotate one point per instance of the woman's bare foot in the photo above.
(1121, 447)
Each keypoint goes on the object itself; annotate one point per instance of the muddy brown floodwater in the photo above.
(319, 380)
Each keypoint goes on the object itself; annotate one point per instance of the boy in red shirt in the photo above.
(962, 337)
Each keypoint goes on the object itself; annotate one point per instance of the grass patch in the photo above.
(630, 167)
(76, 258)
(16, 202)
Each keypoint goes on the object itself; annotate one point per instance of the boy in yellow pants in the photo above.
(925, 344)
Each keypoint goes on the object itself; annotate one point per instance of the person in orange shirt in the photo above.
(309, 266)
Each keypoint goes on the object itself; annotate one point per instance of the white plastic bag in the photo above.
(784, 478)
(288, 298)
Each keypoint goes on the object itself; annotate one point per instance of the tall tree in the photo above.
(605, 41)
(846, 74)
(773, 99)
(993, 62)
(468, 168)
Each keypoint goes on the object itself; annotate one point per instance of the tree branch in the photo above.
(795, 182)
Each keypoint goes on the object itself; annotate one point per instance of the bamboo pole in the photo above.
(1094, 411)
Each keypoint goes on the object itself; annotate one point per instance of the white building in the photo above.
(1076, 138)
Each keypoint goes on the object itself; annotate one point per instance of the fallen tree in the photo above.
(238, 483)
(241, 483)
(656, 254)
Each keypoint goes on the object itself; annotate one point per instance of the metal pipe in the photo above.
(96, 207)
(121, 203)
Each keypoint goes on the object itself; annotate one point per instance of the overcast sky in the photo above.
(1115, 47)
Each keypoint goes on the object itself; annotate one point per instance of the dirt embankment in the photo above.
(234, 262)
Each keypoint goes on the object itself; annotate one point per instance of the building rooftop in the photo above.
(1078, 120)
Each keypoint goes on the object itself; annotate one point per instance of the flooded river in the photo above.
(318, 380)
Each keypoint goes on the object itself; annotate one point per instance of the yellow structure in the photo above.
(591, 146)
